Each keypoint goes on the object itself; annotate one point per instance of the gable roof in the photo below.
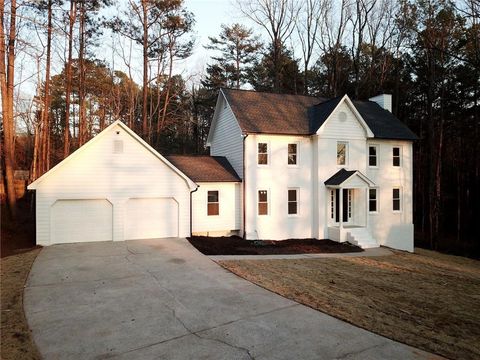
(260, 112)
(97, 138)
(343, 175)
(204, 168)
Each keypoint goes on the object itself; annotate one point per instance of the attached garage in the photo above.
(81, 220)
(151, 218)
(115, 187)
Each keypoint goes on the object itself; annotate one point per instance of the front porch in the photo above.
(347, 212)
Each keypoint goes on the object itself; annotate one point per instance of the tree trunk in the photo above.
(68, 86)
(46, 101)
(6, 85)
(82, 126)
(145, 68)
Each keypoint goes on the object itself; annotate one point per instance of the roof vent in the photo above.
(342, 116)
(118, 146)
(384, 100)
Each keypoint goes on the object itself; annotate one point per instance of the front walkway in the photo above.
(162, 299)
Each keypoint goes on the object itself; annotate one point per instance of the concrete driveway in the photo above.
(162, 299)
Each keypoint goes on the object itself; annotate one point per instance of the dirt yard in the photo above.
(16, 340)
(427, 300)
(234, 245)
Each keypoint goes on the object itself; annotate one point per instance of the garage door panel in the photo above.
(149, 218)
(81, 220)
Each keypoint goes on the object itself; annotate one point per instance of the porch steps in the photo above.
(361, 237)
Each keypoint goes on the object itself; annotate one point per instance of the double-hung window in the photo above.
(212, 203)
(292, 154)
(292, 201)
(372, 155)
(372, 200)
(396, 156)
(342, 152)
(262, 202)
(262, 154)
(396, 199)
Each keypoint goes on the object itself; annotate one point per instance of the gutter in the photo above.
(191, 212)
(244, 193)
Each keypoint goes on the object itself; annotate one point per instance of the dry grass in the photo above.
(427, 300)
(16, 340)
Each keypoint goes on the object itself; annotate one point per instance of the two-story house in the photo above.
(313, 167)
(280, 167)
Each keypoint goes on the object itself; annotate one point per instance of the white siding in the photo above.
(277, 178)
(338, 127)
(226, 139)
(228, 219)
(390, 228)
(97, 173)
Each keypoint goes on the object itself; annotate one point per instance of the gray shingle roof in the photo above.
(204, 168)
(260, 112)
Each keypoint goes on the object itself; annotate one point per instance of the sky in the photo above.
(209, 16)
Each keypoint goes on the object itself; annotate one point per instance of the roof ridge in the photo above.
(270, 93)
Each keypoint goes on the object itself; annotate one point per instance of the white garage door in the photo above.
(151, 218)
(81, 221)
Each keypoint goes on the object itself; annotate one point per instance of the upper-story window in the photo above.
(212, 203)
(262, 152)
(373, 155)
(292, 154)
(342, 152)
(397, 156)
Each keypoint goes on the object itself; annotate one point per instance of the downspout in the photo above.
(191, 212)
(244, 193)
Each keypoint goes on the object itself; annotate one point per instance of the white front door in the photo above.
(347, 208)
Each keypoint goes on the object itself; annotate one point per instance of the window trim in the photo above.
(400, 156)
(297, 143)
(377, 147)
(346, 153)
(267, 202)
(217, 202)
(400, 199)
(268, 153)
(377, 200)
(297, 201)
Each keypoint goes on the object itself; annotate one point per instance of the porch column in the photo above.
(366, 205)
(341, 213)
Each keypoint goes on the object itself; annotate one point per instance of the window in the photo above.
(332, 204)
(262, 202)
(212, 203)
(396, 156)
(396, 195)
(292, 201)
(292, 154)
(262, 154)
(342, 153)
(372, 200)
(372, 155)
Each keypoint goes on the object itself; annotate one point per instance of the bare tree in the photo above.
(307, 29)
(7, 77)
(277, 17)
(68, 85)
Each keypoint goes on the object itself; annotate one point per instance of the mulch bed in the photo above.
(234, 245)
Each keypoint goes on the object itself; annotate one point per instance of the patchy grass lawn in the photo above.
(427, 300)
(16, 340)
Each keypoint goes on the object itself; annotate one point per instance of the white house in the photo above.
(281, 166)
